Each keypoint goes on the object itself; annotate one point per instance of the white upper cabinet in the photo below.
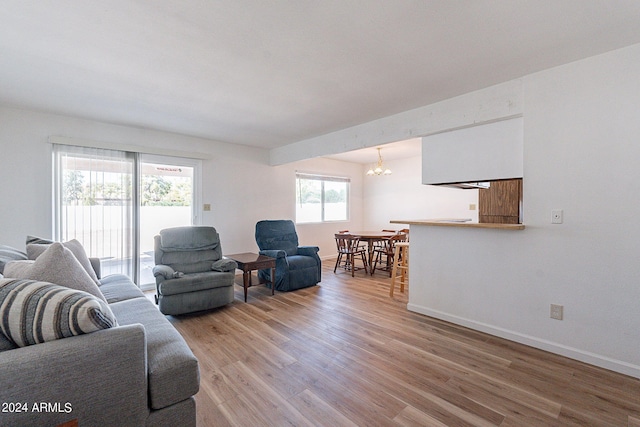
(480, 153)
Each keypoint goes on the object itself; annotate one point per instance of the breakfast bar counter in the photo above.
(453, 222)
(452, 258)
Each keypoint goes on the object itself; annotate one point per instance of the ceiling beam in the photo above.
(483, 106)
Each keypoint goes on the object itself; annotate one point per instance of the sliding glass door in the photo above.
(166, 200)
(114, 202)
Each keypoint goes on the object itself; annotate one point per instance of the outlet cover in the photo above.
(556, 311)
(556, 216)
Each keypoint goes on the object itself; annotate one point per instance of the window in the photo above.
(321, 198)
(94, 203)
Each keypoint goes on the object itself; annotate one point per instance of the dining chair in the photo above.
(385, 253)
(380, 243)
(361, 245)
(348, 250)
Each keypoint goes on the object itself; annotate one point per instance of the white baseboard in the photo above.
(570, 352)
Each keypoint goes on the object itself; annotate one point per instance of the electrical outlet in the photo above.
(556, 216)
(472, 207)
(206, 207)
(556, 311)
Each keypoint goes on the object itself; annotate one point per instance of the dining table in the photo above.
(371, 237)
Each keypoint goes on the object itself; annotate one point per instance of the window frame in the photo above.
(323, 179)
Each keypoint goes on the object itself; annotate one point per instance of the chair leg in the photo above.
(405, 263)
(394, 271)
(337, 261)
(375, 263)
(353, 265)
(364, 262)
(401, 262)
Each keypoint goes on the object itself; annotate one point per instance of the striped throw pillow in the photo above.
(33, 312)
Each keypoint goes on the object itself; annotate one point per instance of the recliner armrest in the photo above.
(274, 253)
(224, 265)
(308, 250)
(164, 271)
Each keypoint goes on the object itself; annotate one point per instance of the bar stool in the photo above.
(400, 266)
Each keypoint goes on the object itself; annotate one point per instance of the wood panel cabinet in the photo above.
(501, 203)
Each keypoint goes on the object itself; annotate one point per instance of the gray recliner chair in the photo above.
(190, 273)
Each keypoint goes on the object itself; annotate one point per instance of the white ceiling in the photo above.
(392, 151)
(270, 73)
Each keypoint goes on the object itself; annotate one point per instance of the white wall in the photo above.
(581, 152)
(402, 196)
(237, 181)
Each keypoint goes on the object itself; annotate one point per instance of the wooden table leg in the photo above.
(370, 245)
(245, 282)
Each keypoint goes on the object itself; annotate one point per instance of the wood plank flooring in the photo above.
(345, 354)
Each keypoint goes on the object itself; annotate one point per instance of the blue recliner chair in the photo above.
(296, 266)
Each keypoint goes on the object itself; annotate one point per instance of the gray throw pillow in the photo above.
(58, 265)
(16, 269)
(39, 240)
(34, 250)
(7, 253)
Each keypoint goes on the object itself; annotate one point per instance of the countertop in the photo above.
(458, 222)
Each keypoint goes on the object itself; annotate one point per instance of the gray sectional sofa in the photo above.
(138, 373)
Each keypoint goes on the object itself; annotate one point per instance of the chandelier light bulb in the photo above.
(379, 169)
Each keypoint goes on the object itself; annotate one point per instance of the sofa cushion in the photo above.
(34, 250)
(58, 265)
(7, 253)
(33, 312)
(118, 287)
(195, 282)
(172, 368)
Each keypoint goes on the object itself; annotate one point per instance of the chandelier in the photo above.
(379, 169)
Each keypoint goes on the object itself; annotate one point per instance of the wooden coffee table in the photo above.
(247, 262)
